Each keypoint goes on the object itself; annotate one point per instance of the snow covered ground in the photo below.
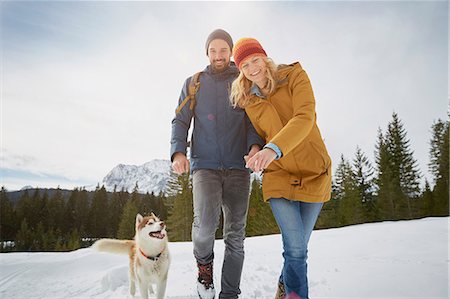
(404, 259)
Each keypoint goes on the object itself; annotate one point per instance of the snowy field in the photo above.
(405, 259)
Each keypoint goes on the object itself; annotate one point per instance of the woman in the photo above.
(297, 168)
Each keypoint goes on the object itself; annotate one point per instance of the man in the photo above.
(221, 137)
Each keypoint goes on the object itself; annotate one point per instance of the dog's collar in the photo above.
(152, 258)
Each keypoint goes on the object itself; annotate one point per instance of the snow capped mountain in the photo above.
(27, 187)
(150, 177)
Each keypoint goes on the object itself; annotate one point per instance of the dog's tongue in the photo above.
(158, 235)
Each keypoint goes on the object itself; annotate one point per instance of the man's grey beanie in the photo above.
(219, 34)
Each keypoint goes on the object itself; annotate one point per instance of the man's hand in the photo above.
(253, 150)
(259, 161)
(180, 163)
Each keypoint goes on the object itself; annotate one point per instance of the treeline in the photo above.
(391, 189)
(39, 222)
(361, 192)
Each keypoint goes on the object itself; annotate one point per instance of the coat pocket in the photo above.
(321, 152)
(311, 160)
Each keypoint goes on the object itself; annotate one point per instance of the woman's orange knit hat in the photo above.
(245, 47)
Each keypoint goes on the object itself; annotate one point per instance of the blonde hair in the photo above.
(240, 89)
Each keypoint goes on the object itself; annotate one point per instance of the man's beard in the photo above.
(221, 68)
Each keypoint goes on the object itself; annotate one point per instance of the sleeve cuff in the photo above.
(275, 148)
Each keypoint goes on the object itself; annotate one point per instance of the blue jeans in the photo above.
(296, 221)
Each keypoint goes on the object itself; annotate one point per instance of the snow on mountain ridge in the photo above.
(151, 177)
(26, 187)
(160, 165)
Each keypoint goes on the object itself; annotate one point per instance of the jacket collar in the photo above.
(255, 90)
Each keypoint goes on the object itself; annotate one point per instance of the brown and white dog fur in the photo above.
(148, 252)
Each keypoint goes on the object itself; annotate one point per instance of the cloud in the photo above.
(14, 161)
(89, 85)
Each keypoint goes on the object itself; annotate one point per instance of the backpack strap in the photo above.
(193, 88)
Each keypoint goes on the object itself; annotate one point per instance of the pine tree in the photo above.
(49, 240)
(44, 211)
(160, 208)
(136, 196)
(74, 240)
(24, 238)
(427, 207)
(60, 244)
(329, 215)
(260, 220)
(363, 174)
(39, 206)
(24, 207)
(38, 238)
(127, 221)
(7, 217)
(439, 167)
(56, 210)
(69, 221)
(179, 222)
(343, 171)
(98, 215)
(439, 130)
(404, 167)
(349, 201)
(82, 209)
(398, 175)
(385, 200)
(117, 204)
(29, 211)
(147, 204)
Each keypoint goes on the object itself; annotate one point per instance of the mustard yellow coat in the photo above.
(287, 118)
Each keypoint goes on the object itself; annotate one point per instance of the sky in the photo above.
(409, 259)
(86, 86)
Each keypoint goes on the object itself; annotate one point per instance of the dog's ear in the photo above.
(153, 215)
(139, 219)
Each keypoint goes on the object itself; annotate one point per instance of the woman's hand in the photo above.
(253, 150)
(261, 160)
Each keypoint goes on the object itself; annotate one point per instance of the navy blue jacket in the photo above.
(222, 135)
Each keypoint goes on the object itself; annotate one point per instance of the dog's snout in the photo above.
(162, 224)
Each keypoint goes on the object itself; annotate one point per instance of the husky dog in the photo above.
(148, 252)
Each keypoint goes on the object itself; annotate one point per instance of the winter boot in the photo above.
(205, 284)
(281, 292)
